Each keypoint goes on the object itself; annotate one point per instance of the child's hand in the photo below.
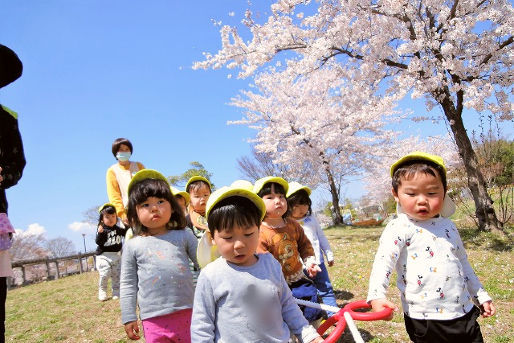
(317, 340)
(313, 269)
(100, 229)
(380, 304)
(487, 309)
(132, 330)
(330, 263)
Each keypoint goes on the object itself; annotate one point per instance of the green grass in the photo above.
(67, 310)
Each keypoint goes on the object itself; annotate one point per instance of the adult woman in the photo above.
(119, 175)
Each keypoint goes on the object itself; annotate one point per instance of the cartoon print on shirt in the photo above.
(441, 293)
(397, 240)
(419, 280)
(430, 251)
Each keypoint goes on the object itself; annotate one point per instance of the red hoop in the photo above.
(341, 321)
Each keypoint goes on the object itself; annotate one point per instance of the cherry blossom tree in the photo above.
(456, 54)
(316, 123)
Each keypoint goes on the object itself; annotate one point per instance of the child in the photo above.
(109, 235)
(438, 285)
(299, 208)
(284, 238)
(154, 271)
(199, 189)
(242, 296)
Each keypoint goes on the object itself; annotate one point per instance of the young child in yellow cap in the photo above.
(155, 276)
(109, 240)
(285, 239)
(242, 296)
(199, 189)
(439, 289)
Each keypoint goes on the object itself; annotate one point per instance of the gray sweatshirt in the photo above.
(155, 274)
(246, 304)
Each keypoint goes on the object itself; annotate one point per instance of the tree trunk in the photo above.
(484, 209)
(336, 212)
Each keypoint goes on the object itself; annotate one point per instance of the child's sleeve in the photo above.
(323, 241)
(101, 237)
(263, 242)
(191, 247)
(304, 246)
(204, 312)
(292, 314)
(389, 250)
(475, 288)
(128, 284)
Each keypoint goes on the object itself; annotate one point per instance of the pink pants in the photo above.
(169, 328)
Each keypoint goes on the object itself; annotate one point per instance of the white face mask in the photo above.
(123, 156)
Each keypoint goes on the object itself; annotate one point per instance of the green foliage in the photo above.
(197, 169)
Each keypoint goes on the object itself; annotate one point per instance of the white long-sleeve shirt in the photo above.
(435, 278)
(318, 239)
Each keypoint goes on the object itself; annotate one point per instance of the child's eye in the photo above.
(249, 234)
(145, 205)
(160, 202)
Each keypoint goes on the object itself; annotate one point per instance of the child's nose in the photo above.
(238, 244)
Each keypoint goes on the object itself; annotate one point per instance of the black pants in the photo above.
(463, 329)
(3, 296)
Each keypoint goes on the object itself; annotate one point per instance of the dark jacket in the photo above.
(12, 158)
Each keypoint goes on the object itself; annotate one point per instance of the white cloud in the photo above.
(33, 229)
(82, 227)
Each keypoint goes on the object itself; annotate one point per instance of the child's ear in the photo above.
(395, 194)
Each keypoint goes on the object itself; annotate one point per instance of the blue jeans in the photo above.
(325, 290)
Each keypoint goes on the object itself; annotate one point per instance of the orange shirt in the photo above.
(288, 244)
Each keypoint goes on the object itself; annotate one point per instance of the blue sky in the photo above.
(97, 70)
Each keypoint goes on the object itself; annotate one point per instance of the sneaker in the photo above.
(114, 297)
(102, 295)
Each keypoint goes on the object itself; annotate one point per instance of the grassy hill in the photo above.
(67, 310)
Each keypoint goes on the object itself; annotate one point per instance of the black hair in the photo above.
(106, 210)
(410, 168)
(153, 188)
(231, 212)
(196, 185)
(300, 197)
(118, 142)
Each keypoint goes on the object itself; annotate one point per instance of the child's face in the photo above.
(421, 196)
(299, 211)
(238, 245)
(109, 219)
(154, 213)
(199, 197)
(276, 204)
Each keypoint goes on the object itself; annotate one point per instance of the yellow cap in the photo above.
(259, 184)
(295, 187)
(230, 191)
(197, 178)
(243, 184)
(183, 194)
(418, 155)
(144, 174)
(104, 206)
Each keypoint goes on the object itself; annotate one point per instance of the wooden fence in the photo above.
(78, 260)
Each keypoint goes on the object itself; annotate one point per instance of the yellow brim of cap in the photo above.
(146, 174)
(418, 155)
(104, 206)
(197, 178)
(227, 192)
(295, 187)
(259, 184)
